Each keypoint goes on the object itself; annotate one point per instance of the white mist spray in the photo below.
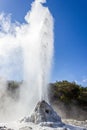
(35, 39)
(38, 53)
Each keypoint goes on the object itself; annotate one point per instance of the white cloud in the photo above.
(84, 80)
(42, 1)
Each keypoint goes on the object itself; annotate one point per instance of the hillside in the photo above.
(66, 97)
(69, 98)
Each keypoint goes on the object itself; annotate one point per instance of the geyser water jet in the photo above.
(35, 39)
(38, 53)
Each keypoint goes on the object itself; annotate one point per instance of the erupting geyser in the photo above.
(38, 53)
(27, 50)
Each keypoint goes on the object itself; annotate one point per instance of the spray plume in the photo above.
(31, 45)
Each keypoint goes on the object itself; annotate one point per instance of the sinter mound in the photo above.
(42, 114)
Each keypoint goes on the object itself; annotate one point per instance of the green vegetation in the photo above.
(68, 92)
(13, 89)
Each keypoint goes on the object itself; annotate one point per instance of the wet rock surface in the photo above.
(42, 114)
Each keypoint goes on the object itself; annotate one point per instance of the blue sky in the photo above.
(70, 16)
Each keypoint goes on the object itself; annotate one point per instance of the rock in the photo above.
(26, 128)
(5, 128)
(44, 114)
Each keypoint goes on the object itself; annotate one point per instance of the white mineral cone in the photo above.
(44, 115)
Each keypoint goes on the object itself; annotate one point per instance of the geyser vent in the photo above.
(44, 115)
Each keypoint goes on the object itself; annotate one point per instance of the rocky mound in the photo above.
(44, 115)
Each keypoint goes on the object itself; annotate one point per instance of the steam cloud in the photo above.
(27, 49)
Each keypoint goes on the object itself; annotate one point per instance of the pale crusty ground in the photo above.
(75, 122)
(70, 125)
